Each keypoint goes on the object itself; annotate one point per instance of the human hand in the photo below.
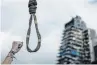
(16, 46)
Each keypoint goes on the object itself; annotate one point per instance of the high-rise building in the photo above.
(95, 50)
(86, 48)
(92, 34)
(74, 48)
(93, 45)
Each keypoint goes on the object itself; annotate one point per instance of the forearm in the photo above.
(9, 58)
(15, 48)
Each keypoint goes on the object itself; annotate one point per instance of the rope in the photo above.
(32, 11)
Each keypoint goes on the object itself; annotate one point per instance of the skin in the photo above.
(16, 46)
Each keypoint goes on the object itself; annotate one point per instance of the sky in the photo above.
(51, 15)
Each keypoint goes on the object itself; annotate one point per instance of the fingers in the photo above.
(20, 45)
(16, 46)
(17, 42)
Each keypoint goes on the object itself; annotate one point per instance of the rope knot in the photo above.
(32, 6)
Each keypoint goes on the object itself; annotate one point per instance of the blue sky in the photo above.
(52, 15)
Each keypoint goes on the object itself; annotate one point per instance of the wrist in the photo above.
(12, 52)
(11, 55)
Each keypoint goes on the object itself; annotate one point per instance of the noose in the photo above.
(32, 10)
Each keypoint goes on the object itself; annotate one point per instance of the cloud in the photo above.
(52, 15)
(92, 1)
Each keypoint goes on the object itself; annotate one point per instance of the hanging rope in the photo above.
(32, 10)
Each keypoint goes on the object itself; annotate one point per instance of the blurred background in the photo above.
(51, 15)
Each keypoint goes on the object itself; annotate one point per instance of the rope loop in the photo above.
(32, 10)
